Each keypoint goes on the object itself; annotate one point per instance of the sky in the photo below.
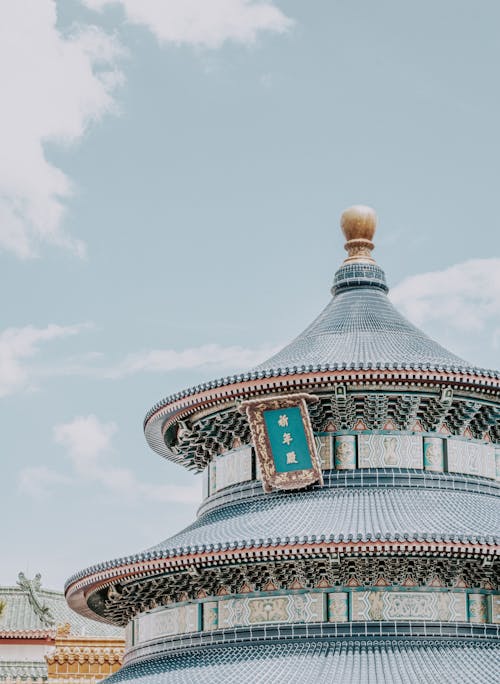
(172, 174)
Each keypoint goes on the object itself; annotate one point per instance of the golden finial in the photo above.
(358, 224)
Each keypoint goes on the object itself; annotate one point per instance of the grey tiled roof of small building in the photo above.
(18, 615)
(23, 670)
(337, 515)
(391, 662)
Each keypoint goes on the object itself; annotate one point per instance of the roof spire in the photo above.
(358, 224)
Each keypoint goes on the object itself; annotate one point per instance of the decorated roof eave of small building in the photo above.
(80, 588)
(18, 635)
(226, 393)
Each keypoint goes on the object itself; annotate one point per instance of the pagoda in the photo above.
(349, 525)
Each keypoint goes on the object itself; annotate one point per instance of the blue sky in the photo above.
(171, 180)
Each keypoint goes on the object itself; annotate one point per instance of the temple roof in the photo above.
(338, 515)
(32, 612)
(395, 661)
(31, 671)
(358, 330)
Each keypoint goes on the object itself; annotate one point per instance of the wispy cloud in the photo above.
(214, 356)
(18, 346)
(466, 296)
(24, 368)
(459, 305)
(53, 87)
(39, 481)
(88, 443)
(202, 23)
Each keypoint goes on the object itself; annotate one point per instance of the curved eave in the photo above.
(77, 590)
(308, 660)
(220, 394)
(31, 634)
(309, 523)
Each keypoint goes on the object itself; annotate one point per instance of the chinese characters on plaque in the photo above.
(283, 439)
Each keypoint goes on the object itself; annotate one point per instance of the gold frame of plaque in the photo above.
(276, 453)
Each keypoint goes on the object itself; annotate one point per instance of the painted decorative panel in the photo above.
(390, 451)
(478, 608)
(168, 622)
(309, 607)
(409, 605)
(212, 477)
(324, 450)
(210, 615)
(470, 457)
(494, 605)
(233, 467)
(129, 635)
(434, 454)
(345, 452)
(338, 607)
(205, 482)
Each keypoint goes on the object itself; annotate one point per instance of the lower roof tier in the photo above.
(381, 517)
(394, 661)
(341, 515)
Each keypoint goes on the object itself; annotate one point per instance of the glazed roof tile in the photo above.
(394, 662)
(359, 329)
(18, 615)
(23, 670)
(339, 515)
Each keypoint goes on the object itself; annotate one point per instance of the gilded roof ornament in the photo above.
(358, 224)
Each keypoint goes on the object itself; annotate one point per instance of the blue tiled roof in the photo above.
(359, 329)
(23, 670)
(338, 515)
(391, 662)
(343, 515)
(18, 614)
(360, 326)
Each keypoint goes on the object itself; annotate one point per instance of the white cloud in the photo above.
(213, 356)
(204, 23)
(18, 345)
(88, 444)
(38, 481)
(465, 296)
(53, 87)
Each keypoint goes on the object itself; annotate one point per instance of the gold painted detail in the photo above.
(358, 224)
(271, 478)
(85, 659)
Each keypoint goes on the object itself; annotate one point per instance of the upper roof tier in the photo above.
(360, 328)
(358, 332)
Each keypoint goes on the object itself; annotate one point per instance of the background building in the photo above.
(350, 519)
(42, 640)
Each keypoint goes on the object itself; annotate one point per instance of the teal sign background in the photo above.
(287, 437)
